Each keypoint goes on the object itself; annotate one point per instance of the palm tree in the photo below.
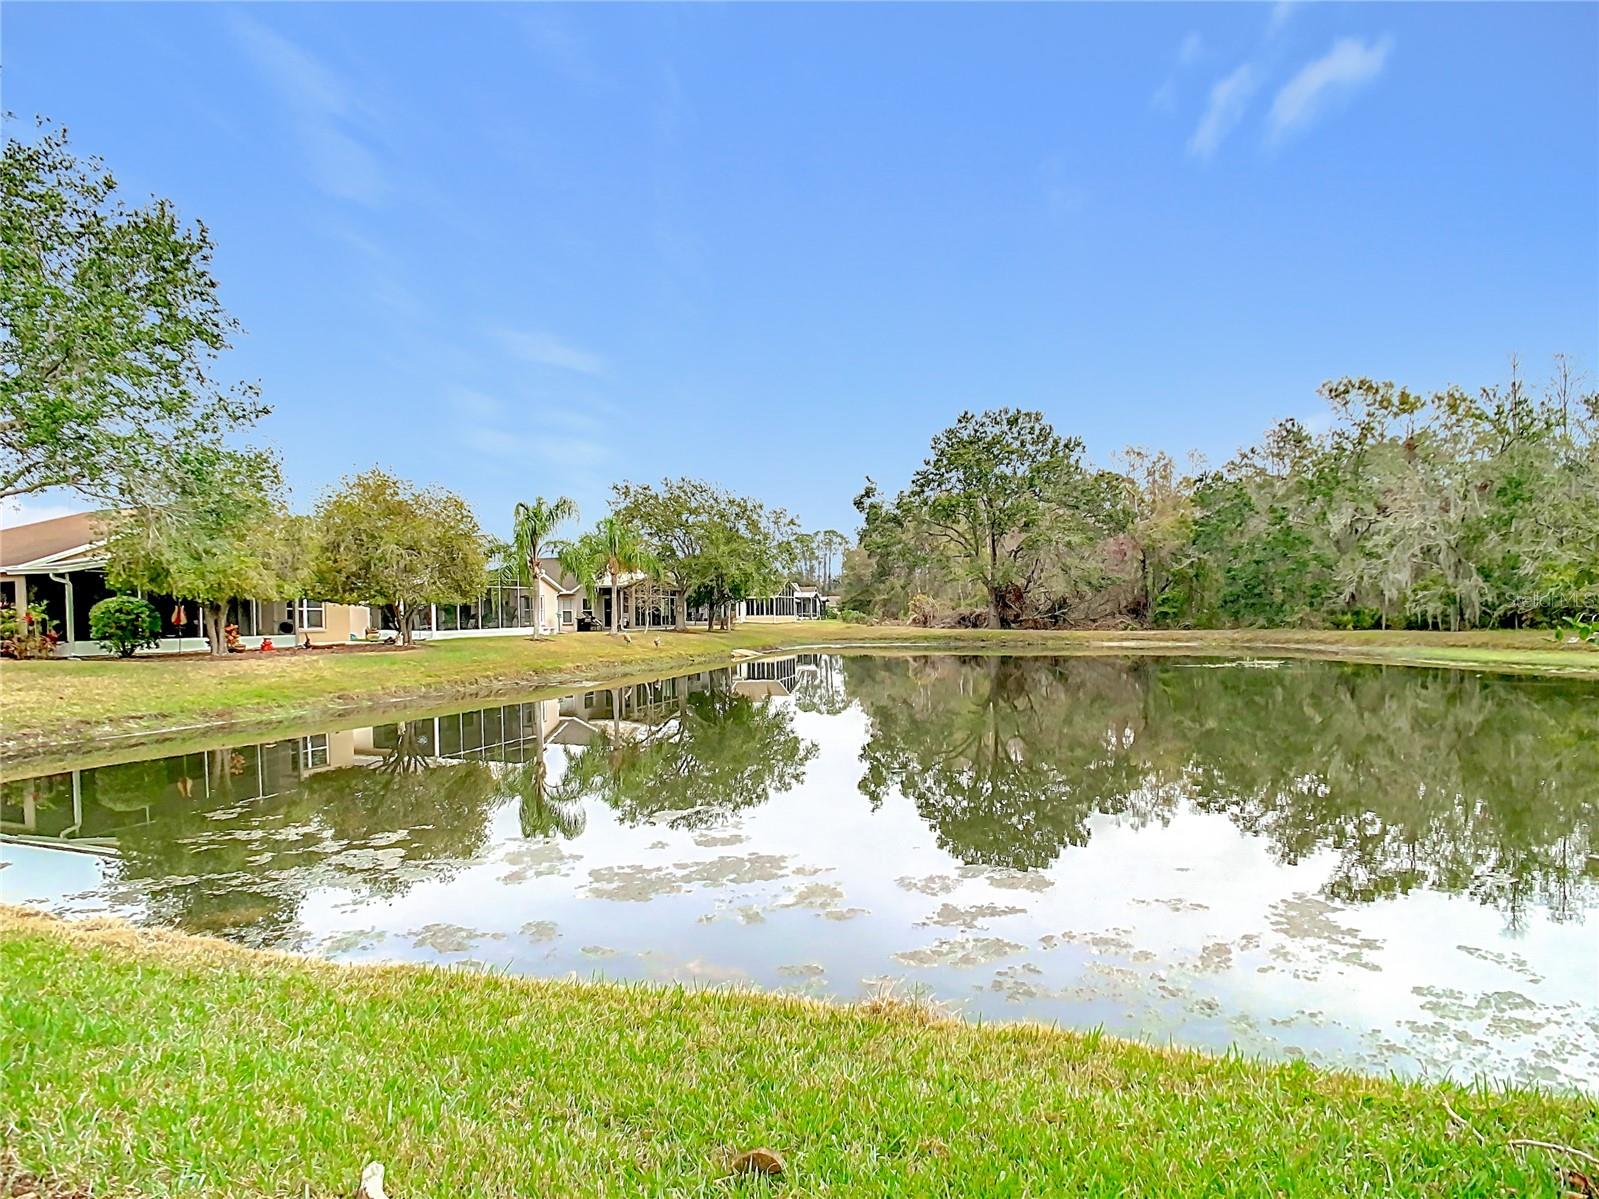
(613, 548)
(531, 526)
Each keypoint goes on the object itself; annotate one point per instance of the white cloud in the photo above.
(1280, 12)
(1348, 66)
(556, 449)
(1189, 51)
(325, 109)
(545, 349)
(1225, 108)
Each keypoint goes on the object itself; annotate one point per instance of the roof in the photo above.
(563, 581)
(61, 543)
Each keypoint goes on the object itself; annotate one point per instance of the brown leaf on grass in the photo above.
(1579, 1184)
(759, 1161)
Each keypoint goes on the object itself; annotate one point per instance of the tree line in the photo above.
(1450, 510)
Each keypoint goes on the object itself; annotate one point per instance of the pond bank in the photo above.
(56, 709)
(156, 1063)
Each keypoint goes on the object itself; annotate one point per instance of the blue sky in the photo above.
(533, 249)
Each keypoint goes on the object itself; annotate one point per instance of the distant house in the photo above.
(794, 601)
(60, 564)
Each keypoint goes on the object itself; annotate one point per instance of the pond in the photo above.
(1386, 868)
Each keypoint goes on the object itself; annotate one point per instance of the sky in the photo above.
(533, 249)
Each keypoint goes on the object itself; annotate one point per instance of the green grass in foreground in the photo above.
(59, 705)
(154, 1064)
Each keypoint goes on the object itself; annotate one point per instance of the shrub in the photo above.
(850, 616)
(123, 624)
(923, 610)
(26, 632)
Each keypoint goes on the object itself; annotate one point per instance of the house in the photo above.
(60, 563)
(794, 601)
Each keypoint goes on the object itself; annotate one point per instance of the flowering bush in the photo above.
(26, 632)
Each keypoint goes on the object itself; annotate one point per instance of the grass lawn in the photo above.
(153, 1064)
(63, 707)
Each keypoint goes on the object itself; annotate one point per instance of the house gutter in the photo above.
(66, 581)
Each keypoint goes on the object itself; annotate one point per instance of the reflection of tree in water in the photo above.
(716, 752)
(1481, 785)
(822, 689)
(990, 751)
(541, 811)
(197, 866)
(442, 805)
(216, 855)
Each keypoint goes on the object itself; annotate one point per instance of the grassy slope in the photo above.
(155, 1064)
(62, 705)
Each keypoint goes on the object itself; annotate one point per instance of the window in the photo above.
(313, 751)
(308, 614)
(566, 613)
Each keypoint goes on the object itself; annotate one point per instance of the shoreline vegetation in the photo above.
(137, 1066)
(74, 710)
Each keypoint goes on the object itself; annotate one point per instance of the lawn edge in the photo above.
(108, 739)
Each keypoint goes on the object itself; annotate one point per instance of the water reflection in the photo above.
(1382, 867)
(1444, 779)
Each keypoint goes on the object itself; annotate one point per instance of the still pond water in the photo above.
(1385, 868)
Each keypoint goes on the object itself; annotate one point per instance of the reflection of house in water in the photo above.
(634, 710)
(762, 677)
(89, 807)
(86, 809)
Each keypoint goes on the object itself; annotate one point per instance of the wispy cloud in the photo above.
(1343, 70)
(1229, 97)
(325, 109)
(545, 349)
(551, 37)
(557, 449)
(1278, 17)
(1189, 51)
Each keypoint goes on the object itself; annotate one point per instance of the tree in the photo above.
(111, 327)
(1160, 529)
(714, 546)
(531, 527)
(213, 528)
(1009, 498)
(832, 544)
(382, 540)
(612, 548)
(124, 624)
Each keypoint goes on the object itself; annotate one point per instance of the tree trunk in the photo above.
(995, 621)
(215, 615)
(535, 563)
(403, 616)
